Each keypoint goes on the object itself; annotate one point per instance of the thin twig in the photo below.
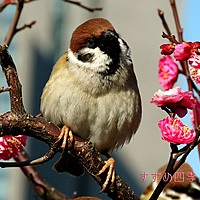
(174, 165)
(184, 64)
(193, 84)
(82, 6)
(177, 21)
(13, 25)
(45, 158)
(25, 26)
(2, 89)
(171, 38)
(162, 183)
(165, 25)
(191, 146)
(3, 5)
(42, 188)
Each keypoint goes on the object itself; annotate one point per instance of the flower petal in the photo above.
(182, 51)
(168, 72)
(10, 146)
(174, 131)
(174, 98)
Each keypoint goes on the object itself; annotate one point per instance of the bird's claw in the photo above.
(110, 163)
(67, 137)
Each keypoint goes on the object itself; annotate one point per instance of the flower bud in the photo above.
(167, 49)
(182, 51)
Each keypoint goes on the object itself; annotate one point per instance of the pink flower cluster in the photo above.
(185, 51)
(181, 51)
(10, 146)
(174, 131)
(173, 100)
(177, 102)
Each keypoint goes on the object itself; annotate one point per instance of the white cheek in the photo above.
(126, 52)
(194, 185)
(100, 61)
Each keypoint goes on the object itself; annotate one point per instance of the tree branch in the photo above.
(177, 21)
(173, 164)
(41, 187)
(171, 38)
(165, 25)
(82, 6)
(25, 26)
(4, 4)
(2, 89)
(13, 25)
(184, 64)
(14, 84)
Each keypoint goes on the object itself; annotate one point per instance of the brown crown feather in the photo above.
(92, 28)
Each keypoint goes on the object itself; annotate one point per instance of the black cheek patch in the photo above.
(86, 57)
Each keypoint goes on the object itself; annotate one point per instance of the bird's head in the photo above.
(96, 46)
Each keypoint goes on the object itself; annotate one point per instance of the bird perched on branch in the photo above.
(93, 91)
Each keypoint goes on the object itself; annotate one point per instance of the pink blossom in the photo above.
(175, 99)
(167, 49)
(168, 72)
(174, 131)
(10, 146)
(194, 60)
(183, 51)
(195, 74)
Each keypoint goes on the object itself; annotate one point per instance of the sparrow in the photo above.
(183, 186)
(93, 92)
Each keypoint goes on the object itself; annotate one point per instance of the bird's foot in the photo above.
(110, 163)
(67, 163)
(67, 137)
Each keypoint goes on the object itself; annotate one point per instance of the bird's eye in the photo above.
(91, 42)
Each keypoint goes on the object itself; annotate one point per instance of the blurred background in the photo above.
(36, 50)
